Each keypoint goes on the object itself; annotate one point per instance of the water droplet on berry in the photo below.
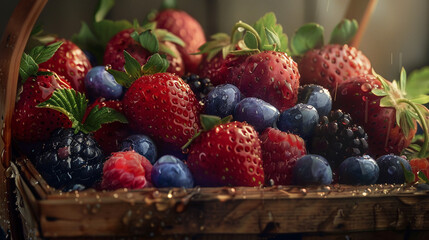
(366, 87)
(108, 66)
(298, 116)
(344, 91)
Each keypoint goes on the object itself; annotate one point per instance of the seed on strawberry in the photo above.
(280, 151)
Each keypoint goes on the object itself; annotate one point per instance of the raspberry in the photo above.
(126, 170)
(420, 164)
(280, 151)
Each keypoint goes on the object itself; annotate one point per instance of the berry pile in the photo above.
(248, 110)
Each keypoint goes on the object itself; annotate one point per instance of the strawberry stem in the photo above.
(422, 123)
(249, 28)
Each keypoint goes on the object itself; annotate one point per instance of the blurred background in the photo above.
(397, 34)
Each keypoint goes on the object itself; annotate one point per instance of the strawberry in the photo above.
(271, 76)
(31, 123)
(110, 135)
(188, 29)
(128, 40)
(280, 150)
(227, 154)
(419, 165)
(71, 62)
(257, 64)
(158, 103)
(331, 64)
(382, 109)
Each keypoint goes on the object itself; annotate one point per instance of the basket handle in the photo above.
(12, 46)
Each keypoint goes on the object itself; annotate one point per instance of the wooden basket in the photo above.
(31, 209)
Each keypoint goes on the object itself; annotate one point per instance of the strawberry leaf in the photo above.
(155, 64)
(149, 41)
(422, 176)
(103, 8)
(403, 81)
(85, 39)
(209, 121)
(422, 99)
(273, 38)
(69, 102)
(344, 32)
(132, 66)
(99, 116)
(307, 37)
(269, 21)
(418, 82)
(379, 92)
(164, 35)
(42, 54)
(106, 29)
(121, 77)
(163, 48)
(250, 40)
(28, 67)
(409, 176)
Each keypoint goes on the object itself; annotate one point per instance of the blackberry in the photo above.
(70, 160)
(200, 86)
(337, 138)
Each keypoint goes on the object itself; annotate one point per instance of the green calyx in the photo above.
(29, 65)
(153, 39)
(310, 36)
(133, 70)
(245, 39)
(407, 110)
(208, 122)
(74, 104)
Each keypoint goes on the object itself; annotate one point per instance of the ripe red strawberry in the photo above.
(71, 62)
(126, 170)
(331, 65)
(189, 30)
(163, 106)
(111, 134)
(227, 155)
(280, 150)
(114, 53)
(420, 164)
(31, 123)
(385, 135)
(269, 75)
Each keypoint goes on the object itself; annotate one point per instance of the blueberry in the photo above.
(391, 170)
(312, 169)
(142, 144)
(361, 170)
(100, 83)
(316, 96)
(256, 112)
(222, 100)
(169, 171)
(300, 119)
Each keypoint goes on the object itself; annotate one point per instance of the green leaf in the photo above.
(250, 40)
(99, 116)
(37, 29)
(163, 48)
(85, 39)
(379, 92)
(273, 38)
(269, 21)
(69, 102)
(422, 176)
(386, 102)
(28, 67)
(209, 121)
(103, 8)
(307, 37)
(121, 77)
(422, 99)
(149, 26)
(106, 29)
(155, 64)
(167, 4)
(245, 52)
(42, 54)
(418, 82)
(409, 176)
(132, 66)
(344, 32)
(164, 35)
(149, 41)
